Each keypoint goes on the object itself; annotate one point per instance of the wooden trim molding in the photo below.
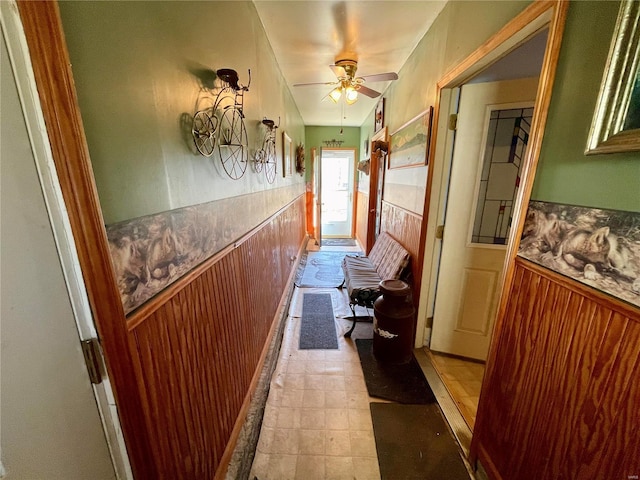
(529, 166)
(558, 11)
(54, 79)
(374, 178)
(592, 294)
(144, 311)
(404, 210)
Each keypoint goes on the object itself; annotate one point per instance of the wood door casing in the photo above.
(52, 72)
(182, 366)
(376, 171)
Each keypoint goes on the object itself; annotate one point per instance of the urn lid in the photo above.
(395, 288)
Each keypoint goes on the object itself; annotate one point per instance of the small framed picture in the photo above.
(287, 155)
(379, 116)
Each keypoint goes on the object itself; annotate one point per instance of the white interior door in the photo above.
(51, 426)
(484, 179)
(337, 173)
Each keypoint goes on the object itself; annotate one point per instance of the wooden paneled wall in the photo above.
(404, 226)
(561, 397)
(197, 352)
(362, 217)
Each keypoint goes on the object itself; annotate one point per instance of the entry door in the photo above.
(337, 170)
(491, 136)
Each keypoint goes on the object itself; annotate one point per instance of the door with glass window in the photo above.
(337, 187)
(492, 134)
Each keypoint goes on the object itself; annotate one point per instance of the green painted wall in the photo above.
(139, 70)
(461, 27)
(314, 136)
(565, 174)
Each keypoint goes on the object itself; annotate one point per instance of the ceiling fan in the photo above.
(348, 84)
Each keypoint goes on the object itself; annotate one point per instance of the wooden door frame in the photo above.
(54, 79)
(374, 169)
(354, 183)
(540, 14)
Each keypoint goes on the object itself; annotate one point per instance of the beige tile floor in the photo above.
(317, 422)
(463, 380)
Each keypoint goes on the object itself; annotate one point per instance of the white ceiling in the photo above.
(308, 36)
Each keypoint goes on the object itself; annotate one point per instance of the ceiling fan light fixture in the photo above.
(335, 94)
(350, 95)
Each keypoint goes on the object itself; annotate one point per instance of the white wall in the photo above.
(49, 422)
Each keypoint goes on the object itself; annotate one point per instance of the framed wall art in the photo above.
(616, 121)
(379, 116)
(409, 145)
(287, 155)
(595, 246)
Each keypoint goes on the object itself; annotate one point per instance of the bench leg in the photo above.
(353, 325)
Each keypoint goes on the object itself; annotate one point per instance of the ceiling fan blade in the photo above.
(381, 77)
(368, 92)
(314, 83)
(338, 71)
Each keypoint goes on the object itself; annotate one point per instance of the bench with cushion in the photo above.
(362, 275)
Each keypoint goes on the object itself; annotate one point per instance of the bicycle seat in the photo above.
(268, 123)
(229, 76)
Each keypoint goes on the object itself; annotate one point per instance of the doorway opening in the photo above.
(337, 185)
(476, 185)
(493, 119)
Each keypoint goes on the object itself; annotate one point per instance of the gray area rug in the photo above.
(322, 269)
(414, 443)
(317, 328)
(338, 242)
(399, 383)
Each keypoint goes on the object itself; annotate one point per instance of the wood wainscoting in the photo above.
(561, 393)
(405, 226)
(362, 218)
(197, 352)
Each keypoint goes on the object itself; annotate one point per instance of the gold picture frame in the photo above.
(287, 155)
(616, 121)
(409, 144)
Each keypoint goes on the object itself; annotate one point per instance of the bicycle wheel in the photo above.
(232, 143)
(270, 161)
(203, 130)
(259, 160)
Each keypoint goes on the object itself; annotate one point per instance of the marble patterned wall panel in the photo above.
(151, 252)
(595, 246)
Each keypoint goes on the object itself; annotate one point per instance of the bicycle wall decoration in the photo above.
(265, 158)
(222, 125)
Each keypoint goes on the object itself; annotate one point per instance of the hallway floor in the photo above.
(317, 421)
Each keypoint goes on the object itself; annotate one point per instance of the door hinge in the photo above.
(93, 359)
(453, 121)
(440, 232)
